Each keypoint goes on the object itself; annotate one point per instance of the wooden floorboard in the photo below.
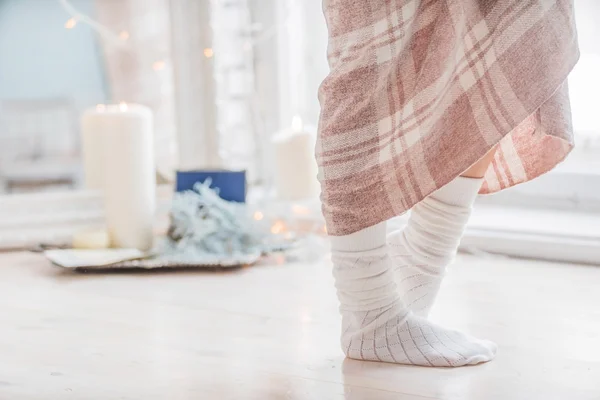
(271, 332)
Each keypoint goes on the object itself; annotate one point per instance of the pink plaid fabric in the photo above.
(419, 90)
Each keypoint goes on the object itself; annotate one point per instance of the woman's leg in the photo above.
(428, 244)
(478, 169)
(376, 325)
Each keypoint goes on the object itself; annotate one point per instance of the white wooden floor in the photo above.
(271, 332)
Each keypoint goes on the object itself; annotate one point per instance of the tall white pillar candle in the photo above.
(295, 165)
(119, 160)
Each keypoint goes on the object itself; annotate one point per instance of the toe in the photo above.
(493, 347)
(485, 351)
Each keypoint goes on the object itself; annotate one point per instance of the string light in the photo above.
(300, 210)
(158, 65)
(123, 106)
(123, 36)
(258, 216)
(96, 26)
(279, 260)
(278, 227)
(70, 24)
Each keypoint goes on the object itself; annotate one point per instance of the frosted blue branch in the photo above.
(204, 225)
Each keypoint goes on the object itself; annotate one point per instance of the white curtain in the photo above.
(140, 70)
(237, 123)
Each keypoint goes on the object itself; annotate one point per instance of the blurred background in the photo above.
(223, 78)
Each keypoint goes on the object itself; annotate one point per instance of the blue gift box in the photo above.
(231, 184)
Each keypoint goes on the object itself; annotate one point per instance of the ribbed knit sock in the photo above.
(429, 242)
(376, 325)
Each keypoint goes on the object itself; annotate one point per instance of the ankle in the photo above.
(372, 238)
(461, 192)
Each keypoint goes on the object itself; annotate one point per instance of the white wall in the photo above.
(39, 58)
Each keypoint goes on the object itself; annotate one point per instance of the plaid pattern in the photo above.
(419, 90)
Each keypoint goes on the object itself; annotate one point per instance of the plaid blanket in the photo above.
(419, 90)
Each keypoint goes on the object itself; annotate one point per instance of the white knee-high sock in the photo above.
(376, 325)
(428, 244)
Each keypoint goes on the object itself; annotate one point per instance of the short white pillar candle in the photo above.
(295, 165)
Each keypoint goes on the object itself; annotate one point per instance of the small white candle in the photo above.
(295, 165)
(118, 150)
(98, 239)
